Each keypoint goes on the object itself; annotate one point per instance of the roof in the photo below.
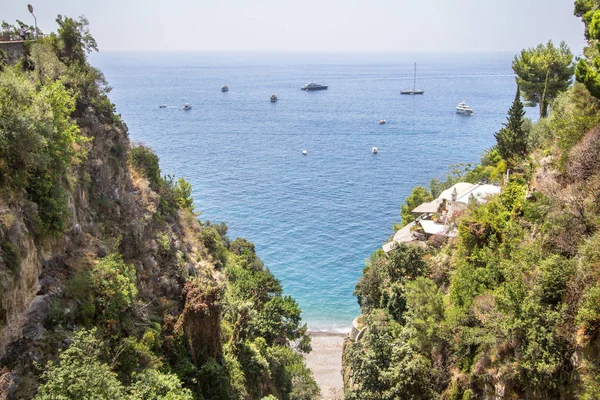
(403, 235)
(461, 187)
(464, 190)
(480, 192)
(429, 207)
(433, 228)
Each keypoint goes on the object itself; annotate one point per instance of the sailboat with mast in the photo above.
(414, 89)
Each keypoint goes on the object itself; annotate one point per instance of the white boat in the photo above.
(304, 152)
(310, 86)
(414, 90)
(224, 88)
(274, 98)
(382, 121)
(464, 109)
(374, 150)
(187, 106)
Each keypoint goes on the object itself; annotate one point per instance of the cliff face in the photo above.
(30, 264)
(108, 212)
(162, 294)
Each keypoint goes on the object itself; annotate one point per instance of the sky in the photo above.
(345, 26)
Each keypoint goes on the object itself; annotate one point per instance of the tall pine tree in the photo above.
(512, 138)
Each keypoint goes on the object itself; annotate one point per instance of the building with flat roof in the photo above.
(433, 218)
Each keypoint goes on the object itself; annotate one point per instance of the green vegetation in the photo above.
(588, 67)
(145, 301)
(543, 72)
(418, 196)
(512, 139)
(510, 306)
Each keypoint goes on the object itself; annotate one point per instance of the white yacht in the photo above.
(464, 109)
(187, 106)
(374, 150)
(274, 98)
(224, 88)
(304, 152)
(382, 121)
(310, 86)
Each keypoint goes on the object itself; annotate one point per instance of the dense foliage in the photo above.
(509, 308)
(145, 301)
(543, 72)
(588, 67)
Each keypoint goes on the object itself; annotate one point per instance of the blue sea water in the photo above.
(315, 219)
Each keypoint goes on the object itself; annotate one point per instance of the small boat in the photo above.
(374, 150)
(274, 98)
(162, 106)
(224, 88)
(414, 90)
(464, 109)
(310, 86)
(382, 121)
(187, 107)
(304, 152)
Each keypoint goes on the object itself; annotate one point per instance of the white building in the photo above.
(433, 217)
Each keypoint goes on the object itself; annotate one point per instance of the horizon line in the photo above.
(323, 52)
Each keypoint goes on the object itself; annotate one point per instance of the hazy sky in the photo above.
(315, 25)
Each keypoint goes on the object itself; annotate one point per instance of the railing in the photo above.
(15, 37)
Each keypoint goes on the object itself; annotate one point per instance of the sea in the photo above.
(316, 218)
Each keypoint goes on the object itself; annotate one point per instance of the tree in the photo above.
(512, 139)
(418, 196)
(114, 286)
(587, 71)
(543, 72)
(74, 39)
(152, 384)
(80, 374)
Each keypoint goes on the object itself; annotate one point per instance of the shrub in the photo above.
(145, 161)
(154, 385)
(80, 374)
(114, 286)
(11, 255)
(183, 193)
(588, 316)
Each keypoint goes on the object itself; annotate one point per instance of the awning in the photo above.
(425, 208)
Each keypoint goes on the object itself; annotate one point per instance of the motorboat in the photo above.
(414, 90)
(304, 152)
(274, 98)
(224, 88)
(382, 121)
(374, 150)
(310, 86)
(187, 107)
(162, 106)
(464, 109)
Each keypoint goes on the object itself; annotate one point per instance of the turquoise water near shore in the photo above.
(314, 218)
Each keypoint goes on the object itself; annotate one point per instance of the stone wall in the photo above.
(14, 50)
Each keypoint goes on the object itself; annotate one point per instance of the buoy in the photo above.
(374, 150)
(304, 152)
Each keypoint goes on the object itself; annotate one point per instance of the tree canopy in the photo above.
(587, 71)
(543, 72)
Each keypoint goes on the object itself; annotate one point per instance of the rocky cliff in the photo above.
(94, 240)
